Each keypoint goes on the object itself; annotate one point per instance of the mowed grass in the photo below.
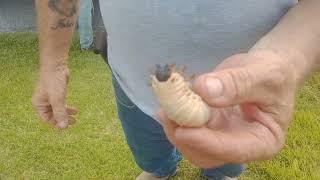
(95, 147)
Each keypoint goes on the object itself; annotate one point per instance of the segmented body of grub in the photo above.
(175, 97)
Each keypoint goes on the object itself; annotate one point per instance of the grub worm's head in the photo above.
(163, 73)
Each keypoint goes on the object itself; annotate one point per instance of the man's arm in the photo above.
(296, 38)
(56, 24)
(252, 95)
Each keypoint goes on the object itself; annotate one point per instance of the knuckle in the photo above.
(241, 81)
(59, 108)
(62, 124)
(278, 78)
(60, 116)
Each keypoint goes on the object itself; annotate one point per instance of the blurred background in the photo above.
(17, 15)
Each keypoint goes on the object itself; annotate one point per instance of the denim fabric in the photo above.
(85, 24)
(148, 143)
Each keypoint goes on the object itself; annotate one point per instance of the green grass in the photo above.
(95, 147)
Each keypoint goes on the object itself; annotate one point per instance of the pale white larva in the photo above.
(179, 102)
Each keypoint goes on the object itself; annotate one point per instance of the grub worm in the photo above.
(177, 100)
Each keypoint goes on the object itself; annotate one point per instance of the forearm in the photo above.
(297, 38)
(56, 23)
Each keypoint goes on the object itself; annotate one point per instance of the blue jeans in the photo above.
(85, 24)
(149, 145)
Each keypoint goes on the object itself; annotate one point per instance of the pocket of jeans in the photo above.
(121, 97)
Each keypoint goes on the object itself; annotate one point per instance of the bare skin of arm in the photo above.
(56, 24)
(252, 95)
(296, 39)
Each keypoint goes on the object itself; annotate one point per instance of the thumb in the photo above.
(229, 87)
(60, 115)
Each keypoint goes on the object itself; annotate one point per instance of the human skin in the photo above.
(56, 22)
(252, 95)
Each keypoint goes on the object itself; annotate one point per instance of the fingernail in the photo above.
(62, 124)
(214, 87)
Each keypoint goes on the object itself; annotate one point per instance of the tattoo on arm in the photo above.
(66, 8)
(63, 23)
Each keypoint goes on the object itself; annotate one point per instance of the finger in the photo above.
(199, 159)
(215, 147)
(72, 110)
(231, 147)
(61, 119)
(51, 121)
(204, 161)
(45, 113)
(217, 120)
(168, 126)
(71, 120)
(220, 88)
(57, 96)
(193, 155)
(258, 78)
(232, 86)
(41, 105)
(60, 114)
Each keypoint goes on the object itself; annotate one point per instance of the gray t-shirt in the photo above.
(196, 33)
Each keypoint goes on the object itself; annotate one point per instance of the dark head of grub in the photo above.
(163, 73)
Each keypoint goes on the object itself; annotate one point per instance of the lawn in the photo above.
(95, 147)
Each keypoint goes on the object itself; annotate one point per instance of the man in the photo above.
(251, 94)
